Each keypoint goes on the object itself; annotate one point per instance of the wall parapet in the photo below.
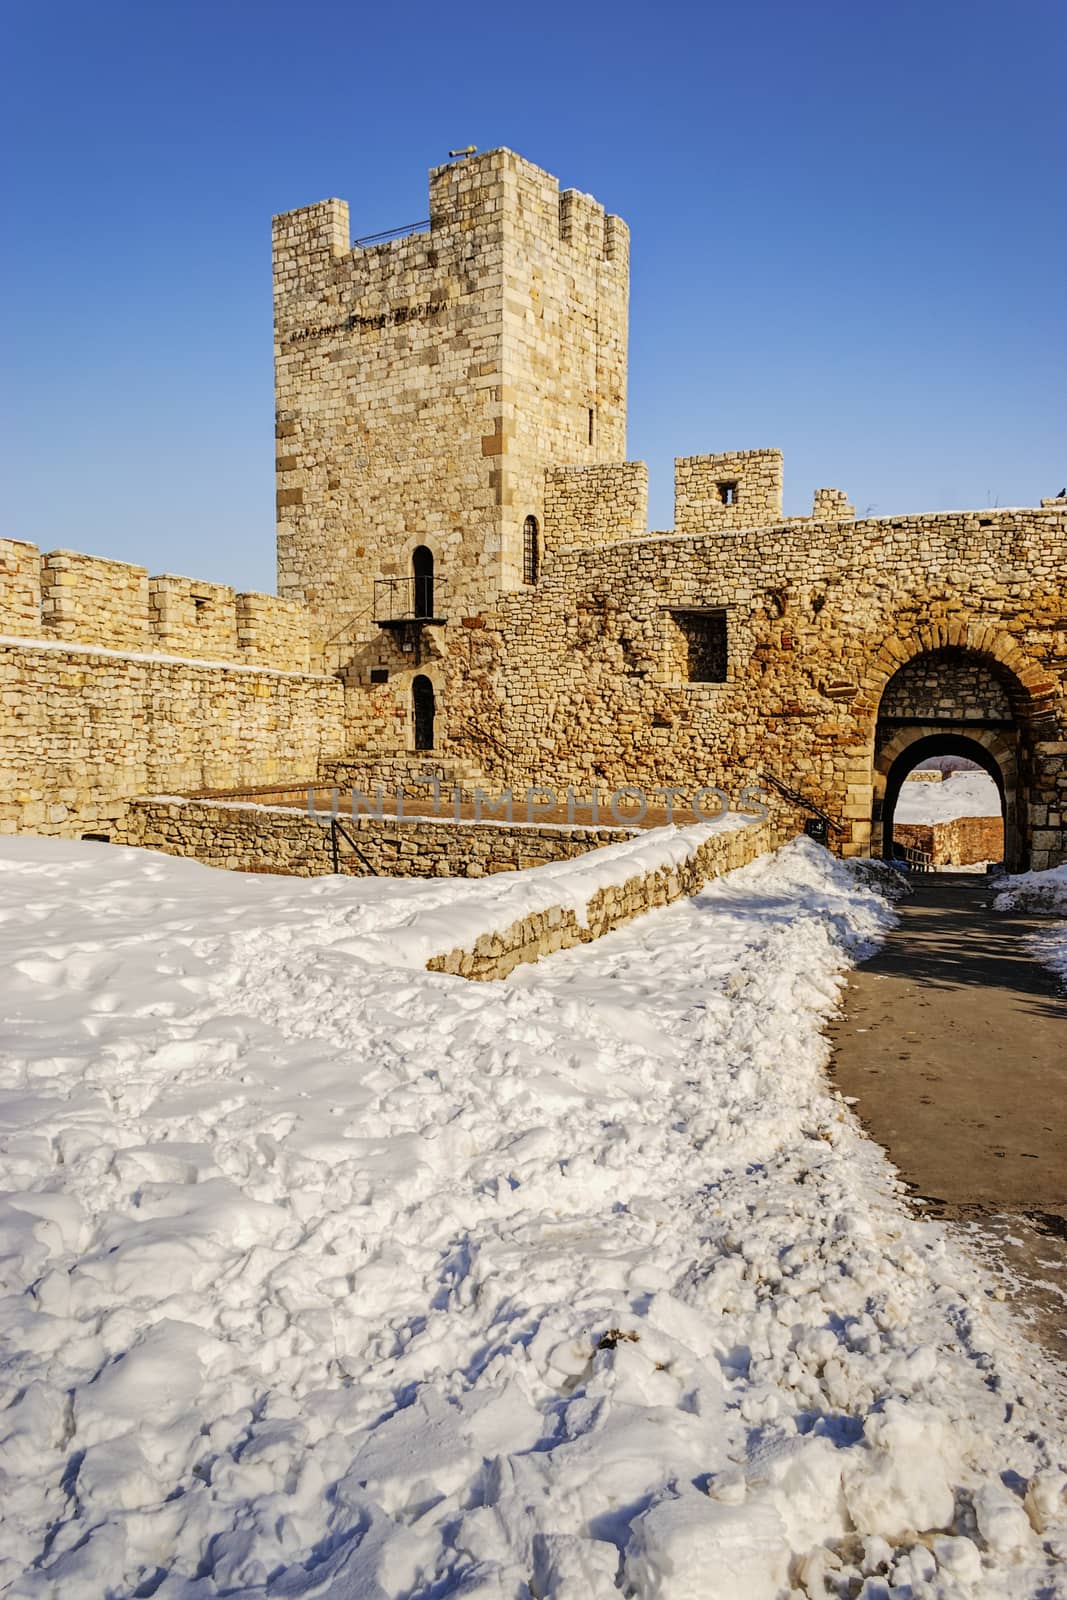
(89, 601)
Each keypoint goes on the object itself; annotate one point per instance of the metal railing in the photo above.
(392, 233)
(917, 860)
(417, 599)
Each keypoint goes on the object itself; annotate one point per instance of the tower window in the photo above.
(531, 551)
(592, 424)
(422, 573)
(728, 492)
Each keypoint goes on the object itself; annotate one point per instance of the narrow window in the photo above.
(423, 708)
(422, 580)
(592, 424)
(698, 646)
(728, 492)
(531, 551)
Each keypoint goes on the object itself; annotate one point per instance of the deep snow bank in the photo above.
(326, 1275)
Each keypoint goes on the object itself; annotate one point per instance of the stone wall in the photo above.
(498, 951)
(82, 730)
(252, 838)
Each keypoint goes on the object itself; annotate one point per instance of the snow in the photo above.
(324, 1275)
(961, 794)
(1044, 892)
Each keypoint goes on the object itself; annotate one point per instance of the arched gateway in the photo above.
(955, 701)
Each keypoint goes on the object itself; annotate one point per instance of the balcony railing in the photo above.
(406, 600)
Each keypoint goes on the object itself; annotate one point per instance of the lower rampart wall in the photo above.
(959, 842)
(83, 730)
(496, 953)
(249, 838)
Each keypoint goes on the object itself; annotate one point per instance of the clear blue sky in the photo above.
(848, 224)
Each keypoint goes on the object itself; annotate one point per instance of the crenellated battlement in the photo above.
(63, 595)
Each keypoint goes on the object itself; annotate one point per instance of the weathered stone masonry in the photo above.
(457, 399)
(114, 684)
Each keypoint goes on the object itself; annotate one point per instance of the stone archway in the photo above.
(954, 700)
(1000, 767)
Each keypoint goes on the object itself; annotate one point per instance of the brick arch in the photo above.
(1000, 749)
(978, 639)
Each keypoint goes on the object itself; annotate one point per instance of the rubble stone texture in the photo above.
(447, 392)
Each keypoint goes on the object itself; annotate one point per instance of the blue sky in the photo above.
(848, 237)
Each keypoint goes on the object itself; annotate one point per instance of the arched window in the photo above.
(423, 707)
(531, 551)
(422, 569)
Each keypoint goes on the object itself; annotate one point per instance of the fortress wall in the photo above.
(20, 588)
(741, 489)
(81, 731)
(580, 684)
(87, 600)
(594, 505)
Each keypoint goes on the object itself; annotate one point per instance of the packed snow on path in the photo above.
(960, 794)
(1040, 891)
(327, 1276)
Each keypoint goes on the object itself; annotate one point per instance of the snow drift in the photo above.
(324, 1275)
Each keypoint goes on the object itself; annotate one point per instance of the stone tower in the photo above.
(424, 383)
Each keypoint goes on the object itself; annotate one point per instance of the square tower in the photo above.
(423, 384)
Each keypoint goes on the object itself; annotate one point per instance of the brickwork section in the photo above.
(499, 952)
(80, 733)
(250, 838)
(832, 505)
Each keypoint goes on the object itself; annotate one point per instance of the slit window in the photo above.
(698, 646)
(592, 424)
(728, 492)
(531, 551)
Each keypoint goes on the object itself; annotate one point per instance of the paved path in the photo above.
(954, 1043)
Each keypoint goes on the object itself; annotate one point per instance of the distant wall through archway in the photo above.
(953, 701)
